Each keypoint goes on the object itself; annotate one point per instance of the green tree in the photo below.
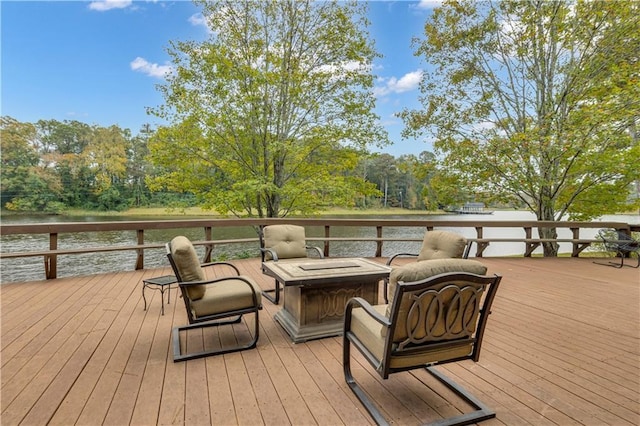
(106, 155)
(535, 101)
(26, 183)
(382, 171)
(267, 114)
(138, 167)
(61, 145)
(419, 191)
(19, 157)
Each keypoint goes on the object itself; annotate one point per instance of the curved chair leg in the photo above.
(273, 299)
(177, 351)
(628, 254)
(481, 411)
(357, 390)
(621, 263)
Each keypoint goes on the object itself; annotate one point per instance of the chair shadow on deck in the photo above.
(437, 314)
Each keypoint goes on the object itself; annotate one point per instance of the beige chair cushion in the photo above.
(186, 260)
(225, 296)
(370, 333)
(288, 241)
(368, 330)
(442, 245)
(419, 271)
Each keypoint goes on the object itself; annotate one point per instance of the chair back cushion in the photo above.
(288, 241)
(187, 264)
(442, 245)
(418, 271)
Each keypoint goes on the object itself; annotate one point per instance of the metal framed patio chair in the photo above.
(211, 302)
(283, 242)
(622, 244)
(435, 245)
(437, 315)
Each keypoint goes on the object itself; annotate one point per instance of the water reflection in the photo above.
(28, 269)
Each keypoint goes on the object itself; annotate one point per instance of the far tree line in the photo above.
(51, 165)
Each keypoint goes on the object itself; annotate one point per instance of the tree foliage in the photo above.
(536, 101)
(24, 183)
(51, 165)
(271, 111)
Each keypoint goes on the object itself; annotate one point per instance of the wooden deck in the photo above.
(561, 347)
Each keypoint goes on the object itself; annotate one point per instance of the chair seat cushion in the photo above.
(370, 333)
(224, 296)
(368, 330)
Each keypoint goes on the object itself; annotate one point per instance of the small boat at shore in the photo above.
(469, 208)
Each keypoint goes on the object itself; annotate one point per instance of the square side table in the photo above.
(159, 283)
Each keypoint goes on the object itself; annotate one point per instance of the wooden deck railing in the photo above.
(331, 234)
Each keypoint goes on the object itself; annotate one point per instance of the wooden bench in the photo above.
(533, 243)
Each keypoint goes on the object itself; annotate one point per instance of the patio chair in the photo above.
(437, 315)
(282, 242)
(211, 302)
(435, 245)
(622, 244)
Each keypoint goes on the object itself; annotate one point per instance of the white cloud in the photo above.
(429, 4)
(75, 115)
(153, 70)
(197, 19)
(338, 70)
(103, 5)
(406, 83)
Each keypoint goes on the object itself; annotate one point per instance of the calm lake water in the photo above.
(29, 269)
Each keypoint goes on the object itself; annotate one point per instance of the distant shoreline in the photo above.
(196, 211)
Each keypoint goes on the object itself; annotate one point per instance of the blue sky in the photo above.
(99, 62)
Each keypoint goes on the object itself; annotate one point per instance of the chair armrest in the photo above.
(629, 246)
(366, 306)
(208, 282)
(221, 279)
(627, 242)
(316, 249)
(274, 255)
(467, 250)
(400, 255)
(619, 242)
(232, 266)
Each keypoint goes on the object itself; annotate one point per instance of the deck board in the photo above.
(562, 346)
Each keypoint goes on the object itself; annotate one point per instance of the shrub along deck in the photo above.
(562, 346)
